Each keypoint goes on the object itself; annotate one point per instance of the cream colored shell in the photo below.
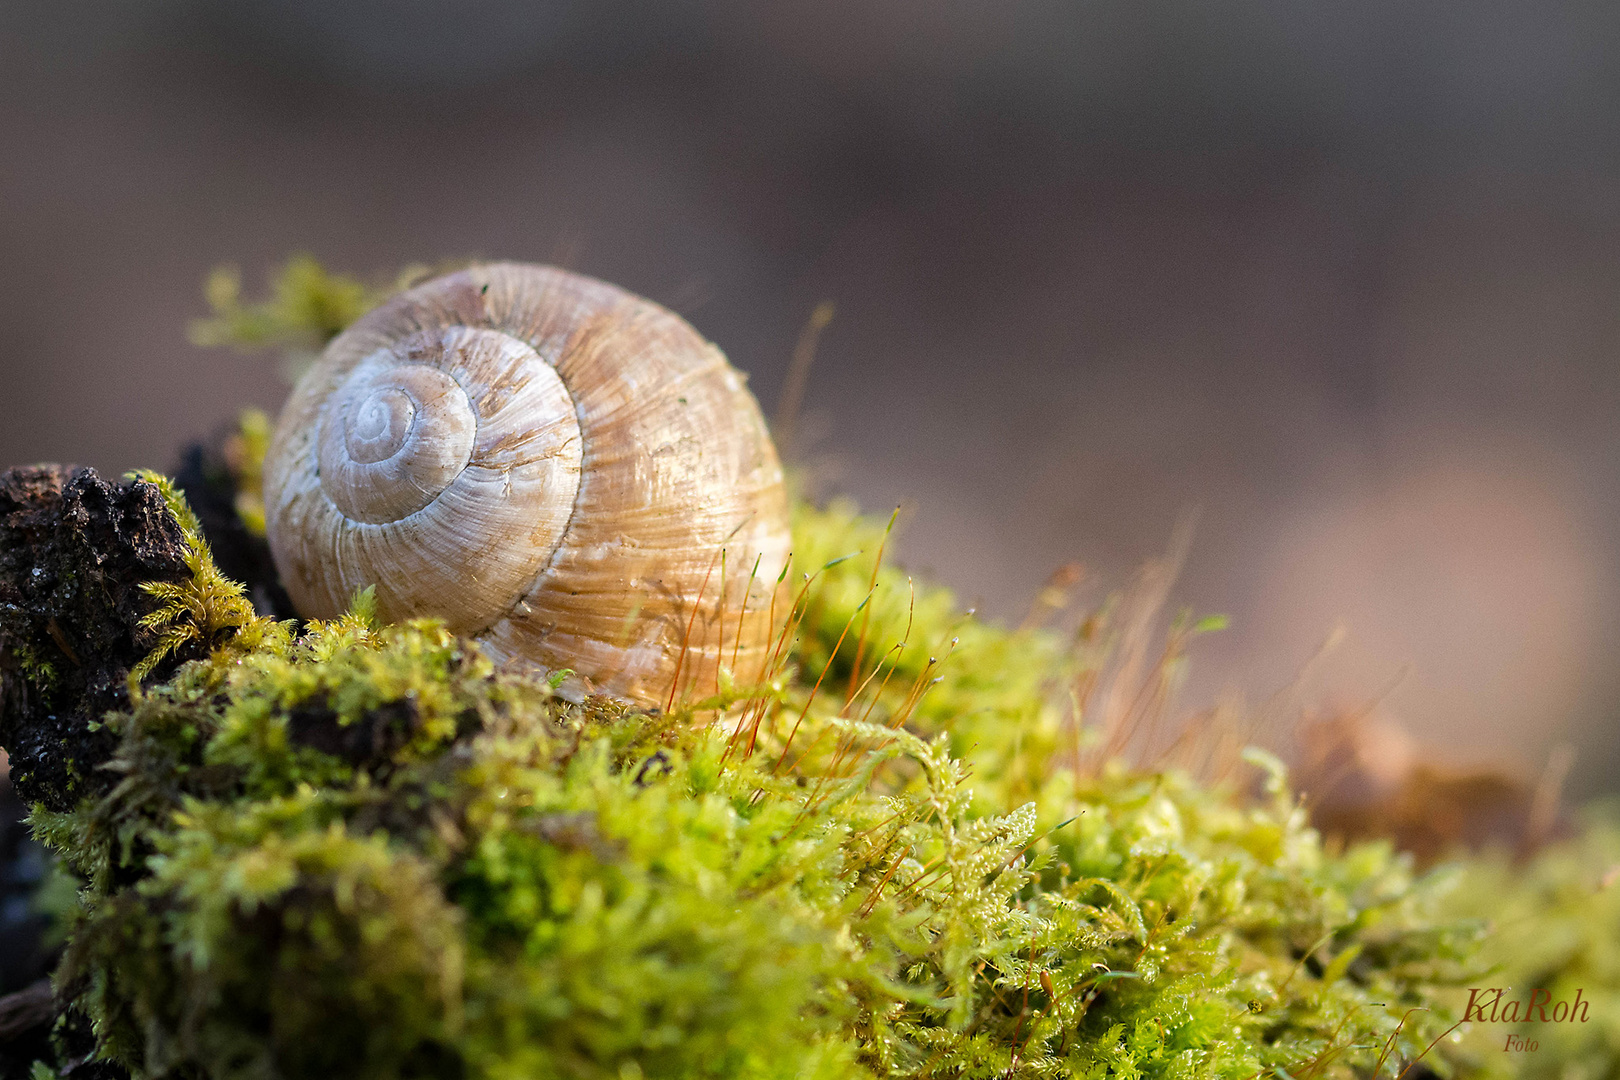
(564, 471)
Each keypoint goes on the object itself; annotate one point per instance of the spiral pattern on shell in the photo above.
(557, 468)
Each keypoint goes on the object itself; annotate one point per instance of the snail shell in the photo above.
(565, 472)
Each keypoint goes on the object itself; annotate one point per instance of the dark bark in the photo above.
(25, 1030)
(22, 867)
(25, 1010)
(33, 1028)
(74, 551)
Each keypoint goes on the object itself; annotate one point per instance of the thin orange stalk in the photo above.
(871, 587)
(748, 589)
(779, 656)
(814, 690)
(686, 641)
(720, 646)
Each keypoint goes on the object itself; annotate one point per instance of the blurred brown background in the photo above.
(1344, 279)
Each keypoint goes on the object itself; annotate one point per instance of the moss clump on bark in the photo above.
(351, 849)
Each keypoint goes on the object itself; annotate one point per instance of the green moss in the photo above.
(306, 308)
(1555, 926)
(200, 610)
(244, 456)
(38, 671)
(359, 850)
(307, 305)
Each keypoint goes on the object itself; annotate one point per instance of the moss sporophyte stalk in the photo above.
(351, 848)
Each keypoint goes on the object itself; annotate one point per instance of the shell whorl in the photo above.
(562, 470)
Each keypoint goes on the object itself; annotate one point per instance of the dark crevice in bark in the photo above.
(205, 475)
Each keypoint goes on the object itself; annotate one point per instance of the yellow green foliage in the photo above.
(1554, 926)
(199, 611)
(244, 455)
(306, 308)
(359, 850)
